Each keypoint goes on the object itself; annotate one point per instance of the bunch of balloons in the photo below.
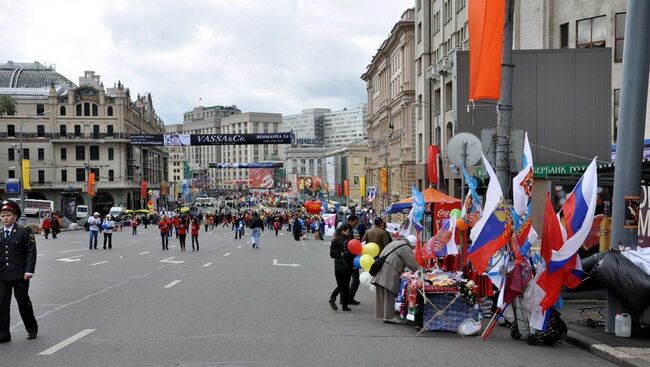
(365, 254)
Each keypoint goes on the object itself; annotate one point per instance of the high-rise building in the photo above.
(307, 127)
(345, 127)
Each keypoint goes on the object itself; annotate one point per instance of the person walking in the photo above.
(134, 226)
(353, 221)
(181, 230)
(377, 234)
(47, 225)
(276, 225)
(195, 233)
(107, 227)
(93, 228)
(17, 265)
(239, 227)
(56, 226)
(342, 267)
(256, 226)
(296, 228)
(163, 225)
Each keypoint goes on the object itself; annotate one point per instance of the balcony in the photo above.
(71, 136)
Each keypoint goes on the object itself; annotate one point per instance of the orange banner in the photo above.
(383, 180)
(91, 184)
(346, 188)
(485, 47)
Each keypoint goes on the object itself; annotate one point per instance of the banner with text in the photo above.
(173, 139)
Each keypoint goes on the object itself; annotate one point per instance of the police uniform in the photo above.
(17, 258)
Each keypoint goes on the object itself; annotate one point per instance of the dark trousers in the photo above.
(181, 239)
(354, 283)
(206, 227)
(47, 233)
(135, 231)
(342, 286)
(20, 288)
(195, 239)
(109, 237)
(165, 240)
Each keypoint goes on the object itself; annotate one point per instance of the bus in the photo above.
(34, 206)
(205, 202)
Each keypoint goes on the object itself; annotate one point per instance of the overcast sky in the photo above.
(262, 55)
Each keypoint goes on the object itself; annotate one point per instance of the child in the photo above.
(195, 233)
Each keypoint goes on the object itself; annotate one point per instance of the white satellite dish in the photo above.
(464, 149)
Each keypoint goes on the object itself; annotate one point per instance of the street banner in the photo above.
(143, 189)
(261, 178)
(383, 180)
(330, 221)
(330, 176)
(25, 174)
(91, 184)
(362, 186)
(174, 139)
(246, 165)
(485, 19)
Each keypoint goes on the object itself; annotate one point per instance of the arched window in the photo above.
(450, 130)
(109, 111)
(62, 111)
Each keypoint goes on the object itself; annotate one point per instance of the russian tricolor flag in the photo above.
(494, 229)
(448, 230)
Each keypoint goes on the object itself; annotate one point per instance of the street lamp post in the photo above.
(22, 220)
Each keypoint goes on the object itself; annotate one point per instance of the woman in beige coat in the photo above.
(387, 280)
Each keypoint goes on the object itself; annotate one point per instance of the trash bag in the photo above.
(469, 327)
(628, 282)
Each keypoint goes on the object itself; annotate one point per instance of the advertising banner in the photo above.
(441, 212)
(330, 222)
(246, 165)
(383, 180)
(644, 217)
(310, 184)
(173, 139)
(330, 176)
(261, 178)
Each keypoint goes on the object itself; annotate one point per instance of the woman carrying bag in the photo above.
(342, 266)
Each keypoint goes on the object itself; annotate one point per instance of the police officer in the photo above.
(17, 264)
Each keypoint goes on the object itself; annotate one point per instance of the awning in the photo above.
(431, 195)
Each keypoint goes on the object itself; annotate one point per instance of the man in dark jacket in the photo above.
(17, 265)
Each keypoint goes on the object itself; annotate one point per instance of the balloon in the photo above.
(366, 262)
(354, 246)
(461, 225)
(356, 262)
(456, 213)
(373, 289)
(364, 278)
(371, 249)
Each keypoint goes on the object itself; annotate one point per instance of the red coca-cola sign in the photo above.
(441, 211)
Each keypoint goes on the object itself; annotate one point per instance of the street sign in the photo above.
(12, 186)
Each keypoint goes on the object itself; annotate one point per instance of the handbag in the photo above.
(376, 266)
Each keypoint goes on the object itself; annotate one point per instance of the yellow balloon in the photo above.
(366, 262)
(371, 249)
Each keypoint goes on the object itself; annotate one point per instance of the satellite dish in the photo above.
(464, 149)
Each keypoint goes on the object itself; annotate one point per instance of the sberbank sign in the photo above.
(543, 170)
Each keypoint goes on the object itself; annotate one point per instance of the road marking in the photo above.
(67, 251)
(39, 255)
(65, 343)
(134, 241)
(146, 252)
(169, 260)
(172, 246)
(70, 259)
(239, 246)
(275, 262)
(172, 284)
(226, 254)
(101, 262)
(75, 241)
(206, 265)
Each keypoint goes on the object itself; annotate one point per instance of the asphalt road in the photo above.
(226, 305)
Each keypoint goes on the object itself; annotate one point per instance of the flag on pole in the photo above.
(417, 210)
(25, 175)
(522, 184)
(472, 209)
(494, 229)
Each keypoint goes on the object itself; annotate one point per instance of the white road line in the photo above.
(275, 263)
(75, 241)
(134, 241)
(172, 284)
(65, 343)
(39, 255)
(172, 246)
(226, 254)
(101, 262)
(146, 252)
(238, 246)
(206, 265)
(70, 259)
(65, 252)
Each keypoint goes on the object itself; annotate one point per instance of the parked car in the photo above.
(82, 211)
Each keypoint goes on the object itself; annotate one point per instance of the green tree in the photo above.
(7, 105)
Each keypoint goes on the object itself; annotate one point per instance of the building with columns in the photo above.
(390, 82)
(69, 131)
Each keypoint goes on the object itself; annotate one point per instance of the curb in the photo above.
(604, 351)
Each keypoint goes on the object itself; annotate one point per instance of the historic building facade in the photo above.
(69, 131)
(390, 82)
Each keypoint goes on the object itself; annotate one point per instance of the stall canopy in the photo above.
(431, 195)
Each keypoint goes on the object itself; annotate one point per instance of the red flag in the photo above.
(143, 189)
(485, 19)
(432, 163)
(551, 233)
(346, 188)
(418, 253)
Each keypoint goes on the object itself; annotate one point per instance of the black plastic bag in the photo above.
(630, 284)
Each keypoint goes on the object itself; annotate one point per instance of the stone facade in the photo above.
(390, 79)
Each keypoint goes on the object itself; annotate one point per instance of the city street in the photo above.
(226, 305)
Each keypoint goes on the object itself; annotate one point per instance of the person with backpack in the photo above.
(342, 267)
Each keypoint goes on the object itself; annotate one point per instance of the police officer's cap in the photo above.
(10, 206)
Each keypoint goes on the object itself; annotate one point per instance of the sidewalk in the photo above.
(628, 352)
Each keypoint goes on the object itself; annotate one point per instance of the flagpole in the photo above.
(504, 118)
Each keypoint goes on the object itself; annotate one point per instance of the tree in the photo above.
(7, 105)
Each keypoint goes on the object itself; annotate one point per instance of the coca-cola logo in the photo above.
(443, 213)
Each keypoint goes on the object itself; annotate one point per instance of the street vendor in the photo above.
(387, 280)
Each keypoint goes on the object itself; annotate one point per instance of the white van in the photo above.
(82, 211)
(117, 211)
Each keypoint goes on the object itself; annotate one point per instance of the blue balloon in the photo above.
(356, 262)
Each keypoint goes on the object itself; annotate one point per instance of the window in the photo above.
(418, 4)
(11, 174)
(41, 176)
(26, 153)
(94, 110)
(617, 99)
(80, 152)
(460, 4)
(64, 154)
(447, 11)
(11, 154)
(109, 111)
(111, 154)
(40, 109)
(64, 175)
(86, 109)
(41, 154)
(111, 175)
(62, 111)
(78, 109)
(592, 32)
(564, 35)
(619, 37)
(81, 174)
(40, 131)
(436, 22)
(77, 130)
(95, 131)
(94, 153)
(448, 97)
(450, 130)
(63, 130)
(11, 130)
(109, 130)
(419, 34)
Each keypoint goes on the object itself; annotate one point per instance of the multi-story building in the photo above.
(346, 163)
(345, 127)
(68, 131)
(390, 79)
(204, 120)
(175, 166)
(307, 127)
(247, 123)
(304, 161)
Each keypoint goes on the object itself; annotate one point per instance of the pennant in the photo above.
(522, 183)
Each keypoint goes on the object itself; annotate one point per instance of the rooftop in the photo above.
(29, 75)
